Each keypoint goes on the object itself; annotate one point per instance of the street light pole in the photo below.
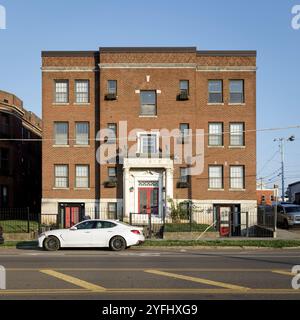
(282, 153)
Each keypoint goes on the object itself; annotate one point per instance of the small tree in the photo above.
(179, 210)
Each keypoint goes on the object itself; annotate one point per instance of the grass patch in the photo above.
(18, 226)
(187, 227)
(223, 243)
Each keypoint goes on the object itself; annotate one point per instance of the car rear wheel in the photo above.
(51, 244)
(117, 243)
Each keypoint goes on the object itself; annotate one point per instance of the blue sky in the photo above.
(263, 25)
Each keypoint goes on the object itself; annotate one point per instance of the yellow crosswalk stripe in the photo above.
(77, 282)
(286, 273)
(198, 280)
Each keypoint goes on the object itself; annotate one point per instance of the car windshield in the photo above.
(292, 209)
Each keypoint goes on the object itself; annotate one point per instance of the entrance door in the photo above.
(71, 214)
(224, 218)
(149, 201)
(229, 220)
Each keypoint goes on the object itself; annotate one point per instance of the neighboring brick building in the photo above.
(266, 196)
(150, 89)
(20, 161)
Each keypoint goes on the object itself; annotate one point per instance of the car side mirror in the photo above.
(73, 228)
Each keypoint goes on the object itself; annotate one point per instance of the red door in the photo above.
(71, 216)
(148, 201)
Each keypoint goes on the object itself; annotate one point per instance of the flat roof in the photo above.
(148, 49)
(228, 53)
(216, 53)
(69, 53)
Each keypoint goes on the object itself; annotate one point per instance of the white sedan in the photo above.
(112, 234)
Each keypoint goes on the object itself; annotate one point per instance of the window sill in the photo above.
(66, 189)
(61, 104)
(237, 104)
(61, 146)
(218, 147)
(81, 146)
(237, 147)
(82, 189)
(238, 190)
(147, 116)
(215, 104)
(82, 104)
(216, 189)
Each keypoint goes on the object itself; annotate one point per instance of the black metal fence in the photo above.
(255, 222)
(14, 220)
(206, 222)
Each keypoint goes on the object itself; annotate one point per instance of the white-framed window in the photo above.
(61, 173)
(215, 91)
(236, 88)
(237, 179)
(184, 175)
(112, 174)
(61, 91)
(237, 136)
(184, 86)
(112, 86)
(148, 103)
(184, 131)
(215, 174)
(82, 131)
(215, 137)
(148, 143)
(61, 133)
(82, 176)
(82, 91)
(112, 209)
(112, 134)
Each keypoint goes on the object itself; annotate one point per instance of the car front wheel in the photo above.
(117, 243)
(51, 244)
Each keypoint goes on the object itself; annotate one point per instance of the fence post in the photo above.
(247, 224)
(130, 218)
(191, 217)
(150, 227)
(28, 220)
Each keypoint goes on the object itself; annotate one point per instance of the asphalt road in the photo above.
(177, 274)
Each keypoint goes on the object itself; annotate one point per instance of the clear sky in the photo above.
(262, 25)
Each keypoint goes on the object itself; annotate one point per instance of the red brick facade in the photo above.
(159, 69)
(20, 167)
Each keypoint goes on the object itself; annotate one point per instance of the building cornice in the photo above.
(69, 69)
(226, 69)
(147, 66)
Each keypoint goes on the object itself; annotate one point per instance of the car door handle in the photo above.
(87, 232)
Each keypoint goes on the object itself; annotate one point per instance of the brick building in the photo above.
(123, 89)
(20, 160)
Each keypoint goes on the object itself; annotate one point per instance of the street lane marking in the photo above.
(142, 269)
(77, 282)
(198, 280)
(81, 292)
(286, 273)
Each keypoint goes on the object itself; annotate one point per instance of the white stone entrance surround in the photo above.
(146, 169)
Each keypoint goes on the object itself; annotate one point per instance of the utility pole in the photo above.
(282, 154)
